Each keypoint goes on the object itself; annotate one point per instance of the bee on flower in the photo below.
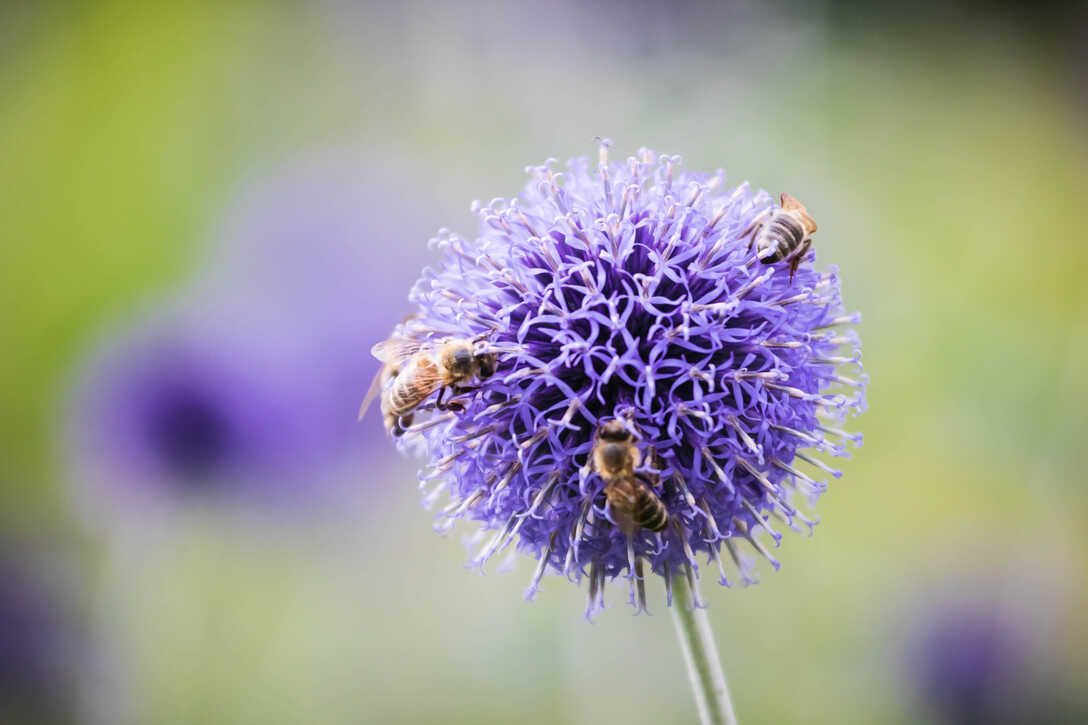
(640, 303)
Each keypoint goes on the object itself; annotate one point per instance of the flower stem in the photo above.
(700, 653)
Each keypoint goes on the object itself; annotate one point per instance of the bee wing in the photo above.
(808, 222)
(791, 204)
(425, 375)
(396, 349)
(372, 392)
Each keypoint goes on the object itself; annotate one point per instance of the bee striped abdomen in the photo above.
(650, 513)
(412, 385)
(394, 423)
(786, 232)
(635, 506)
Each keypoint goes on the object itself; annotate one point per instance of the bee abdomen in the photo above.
(787, 232)
(650, 511)
(403, 397)
(411, 386)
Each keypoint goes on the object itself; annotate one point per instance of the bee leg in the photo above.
(455, 406)
(754, 230)
(798, 256)
(448, 405)
(458, 405)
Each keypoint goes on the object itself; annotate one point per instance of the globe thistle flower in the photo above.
(236, 390)
(631, 292)
(965, 664)
(183, 405)
(976, 646)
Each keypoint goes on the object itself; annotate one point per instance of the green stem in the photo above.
(700, 653)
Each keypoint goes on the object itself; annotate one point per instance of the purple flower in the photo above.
(977, 645)
(186, 405)
(237, 391)
(965, 663)
(630, 292)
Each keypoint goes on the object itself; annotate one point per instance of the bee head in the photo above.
(614, 432)
(458, 361)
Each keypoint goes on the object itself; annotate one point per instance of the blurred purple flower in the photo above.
(965, 662)
(184, 405)
(979, 645)
(239, 389)
(630, 292)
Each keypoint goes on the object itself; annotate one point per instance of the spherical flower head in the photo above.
(186, 405)
(966, 662)
(633, 291)
(235, 391)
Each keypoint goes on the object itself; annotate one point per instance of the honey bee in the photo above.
(788, 232)
(634, 504)
(413, 369)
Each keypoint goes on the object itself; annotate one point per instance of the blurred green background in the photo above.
(943, 154)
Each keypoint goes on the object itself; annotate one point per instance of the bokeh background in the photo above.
(210, 211)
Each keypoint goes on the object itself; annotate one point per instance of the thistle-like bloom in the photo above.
(238, 390)
(184, 405)
(968, 664)
(633, 292)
